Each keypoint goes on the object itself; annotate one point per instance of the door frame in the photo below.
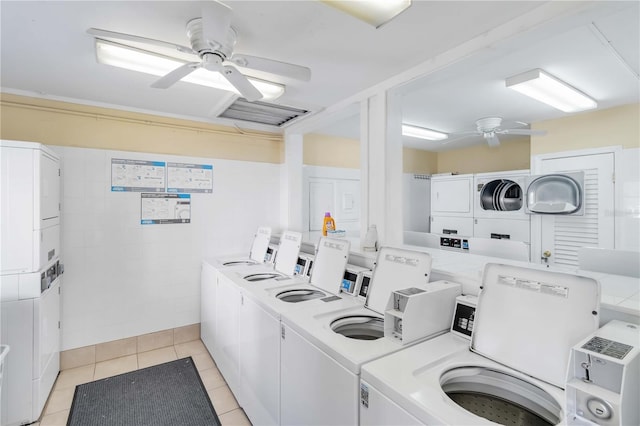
(536, 166)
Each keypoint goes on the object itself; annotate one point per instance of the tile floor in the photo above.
(57, 408)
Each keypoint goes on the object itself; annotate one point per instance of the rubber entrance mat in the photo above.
(168, 394)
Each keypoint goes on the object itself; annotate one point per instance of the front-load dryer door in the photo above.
(561, 193)
(529, 319)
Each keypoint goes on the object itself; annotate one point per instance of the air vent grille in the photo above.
(261, 112)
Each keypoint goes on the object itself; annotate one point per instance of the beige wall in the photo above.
(67, 124)
(330, 151)
(419, 161)
(509, 155)
(613, 126)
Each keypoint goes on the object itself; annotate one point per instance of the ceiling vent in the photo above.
(261, 112)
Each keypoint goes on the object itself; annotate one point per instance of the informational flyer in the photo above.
(183, 177)
(137, 175)
(160, 209)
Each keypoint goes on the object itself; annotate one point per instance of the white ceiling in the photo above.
(46, 52)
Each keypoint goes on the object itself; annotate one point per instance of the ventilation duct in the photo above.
(261, 112)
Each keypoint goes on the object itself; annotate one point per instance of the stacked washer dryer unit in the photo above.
(514, 369)
(29, 278)
(499, 206)
(323, 350)
(452, 210)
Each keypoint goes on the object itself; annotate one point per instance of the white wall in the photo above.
(628, 208)
(124, 279)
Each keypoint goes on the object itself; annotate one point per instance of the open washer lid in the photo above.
(288, 251)
(330, 263)
(396, 269)
(529, 319)
(260, 244)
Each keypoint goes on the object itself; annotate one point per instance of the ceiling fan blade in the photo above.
(459, 136)
(96, 32)
(240, 82)
(522, 132)
(271, 66)
(492, 140)
(175, 75)
(216, 21)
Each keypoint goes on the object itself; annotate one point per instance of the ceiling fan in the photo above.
(489, 128)
(212, 40)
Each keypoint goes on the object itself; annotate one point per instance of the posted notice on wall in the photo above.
(137, 175)
(161, 209)
(183, 177)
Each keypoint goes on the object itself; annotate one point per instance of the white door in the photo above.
(321, 196)
(452, 196)
(560, 235)
(259, 364)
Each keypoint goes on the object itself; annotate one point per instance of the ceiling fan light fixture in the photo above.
(127, 57)
(373, 12)
(422, 133)
(550, 90)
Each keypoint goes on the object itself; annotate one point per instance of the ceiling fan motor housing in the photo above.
(488, 124)
(223, 48)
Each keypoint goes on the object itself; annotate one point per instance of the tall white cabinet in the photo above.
(30, 282)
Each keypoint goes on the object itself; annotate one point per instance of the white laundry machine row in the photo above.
(256, 263)
(249, 328)
(513, 368)
(323, 349)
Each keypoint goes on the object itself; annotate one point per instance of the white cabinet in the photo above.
(227, 342)
(314, 389)
(259, 393)
(378, 410)
(452, 195)
(208, 306)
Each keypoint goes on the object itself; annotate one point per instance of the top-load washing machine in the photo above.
(256, 254)
(322, 351)
(285, 263)
(248, 323)
(514, 370)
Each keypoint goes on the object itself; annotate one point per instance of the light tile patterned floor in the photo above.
(57, 408)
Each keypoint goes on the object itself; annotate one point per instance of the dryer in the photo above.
(514, 369)
(500, 195)
(322, 351)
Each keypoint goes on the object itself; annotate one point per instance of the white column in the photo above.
(381, 167)
(291, 183)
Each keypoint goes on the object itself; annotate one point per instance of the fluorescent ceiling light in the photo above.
(130, 58)
(374, 12)
(552, 91)
(422, 133)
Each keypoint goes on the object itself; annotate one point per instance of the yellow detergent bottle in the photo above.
(328, 224)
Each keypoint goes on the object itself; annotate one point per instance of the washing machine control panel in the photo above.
(464, 316)
(456, 243)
